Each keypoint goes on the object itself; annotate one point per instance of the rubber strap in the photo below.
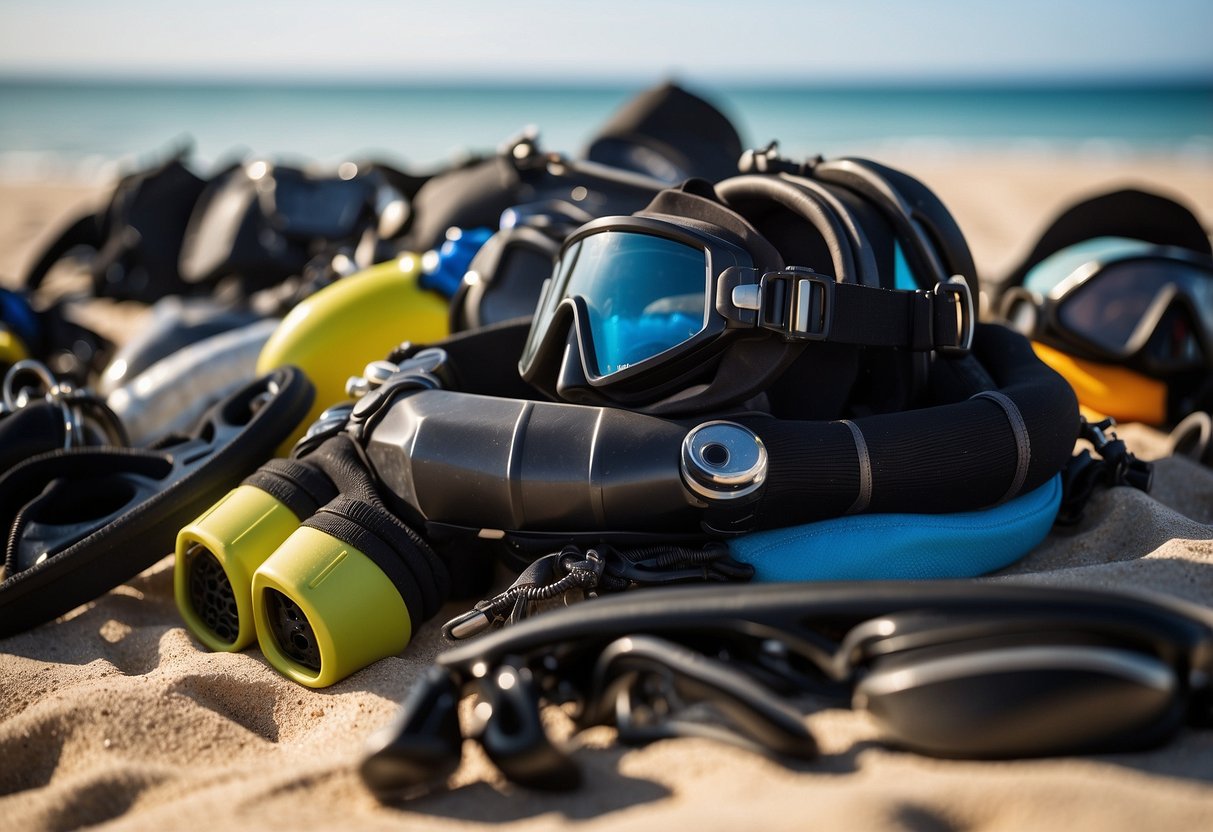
(1023, 444)
(865, 469)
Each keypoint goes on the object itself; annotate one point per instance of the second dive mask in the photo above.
(687, 306)
(1126, 301)
(1118, 297)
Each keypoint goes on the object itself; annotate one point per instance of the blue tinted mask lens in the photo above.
(643, 295)
(620, 341)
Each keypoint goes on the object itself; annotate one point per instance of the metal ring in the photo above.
(723, 460)
(28, 365)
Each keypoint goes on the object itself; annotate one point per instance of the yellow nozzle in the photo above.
(217, 555)
(325, 610)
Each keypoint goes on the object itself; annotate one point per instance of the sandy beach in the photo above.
(114, 716)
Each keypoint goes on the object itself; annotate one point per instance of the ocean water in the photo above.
(93, 129)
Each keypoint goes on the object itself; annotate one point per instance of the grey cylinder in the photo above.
(172, 394)
(508, 464)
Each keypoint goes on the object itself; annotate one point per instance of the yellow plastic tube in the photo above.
(12, 348)
(325, 610)
(216, 557)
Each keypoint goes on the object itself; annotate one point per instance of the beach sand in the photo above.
(114, 716)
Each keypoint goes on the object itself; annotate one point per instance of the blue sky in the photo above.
(951, 40)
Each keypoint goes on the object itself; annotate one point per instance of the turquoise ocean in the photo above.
(91, 129)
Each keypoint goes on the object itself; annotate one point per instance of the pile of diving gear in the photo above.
(364, 393)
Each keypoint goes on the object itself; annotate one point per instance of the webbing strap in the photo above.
(877, 317)
(1023, 444)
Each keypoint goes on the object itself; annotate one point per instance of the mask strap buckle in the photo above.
(958, 288)
(796, 302)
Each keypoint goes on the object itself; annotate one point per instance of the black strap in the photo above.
(301, 488)
(816, 308)
(864, 498)
(358, 516)
(875, 317)
(1023, 442)
(1139, 215)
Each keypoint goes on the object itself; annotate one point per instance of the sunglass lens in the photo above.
(1108, 309)
(1174, 343)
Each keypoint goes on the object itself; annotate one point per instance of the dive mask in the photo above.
(1122, 301)
(639, 307)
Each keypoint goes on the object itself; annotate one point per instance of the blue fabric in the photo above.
(871, 547)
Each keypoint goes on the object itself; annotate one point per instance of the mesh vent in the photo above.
(211, 594)
(292, 630)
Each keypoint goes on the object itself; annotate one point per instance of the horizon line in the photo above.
(1202, 79)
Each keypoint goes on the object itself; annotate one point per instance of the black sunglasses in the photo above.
(948, 668)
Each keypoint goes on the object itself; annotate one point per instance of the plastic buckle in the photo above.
(768, 160)
(797, 302)
(956, 285)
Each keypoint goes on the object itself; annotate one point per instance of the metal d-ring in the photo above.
(52, 391)
(27, 365)
(70, 401)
